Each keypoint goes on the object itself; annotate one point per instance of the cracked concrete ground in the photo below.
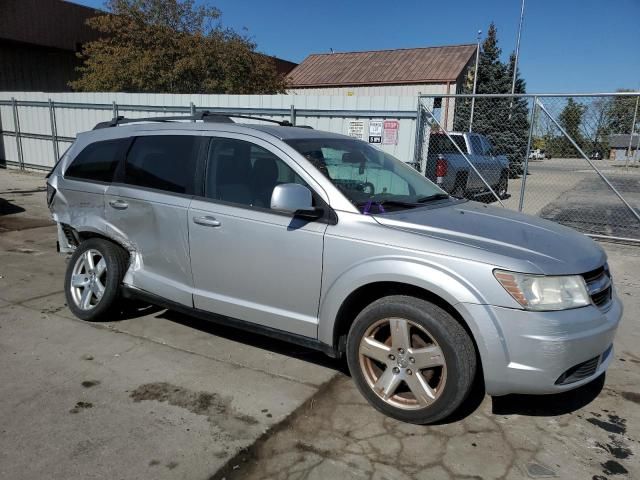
(164, 396)
(589, 433)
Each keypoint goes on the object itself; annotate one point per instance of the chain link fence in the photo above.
(572, 159)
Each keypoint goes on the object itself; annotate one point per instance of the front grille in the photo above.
(599, 286)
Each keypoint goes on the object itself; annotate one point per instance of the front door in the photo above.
(248, 261)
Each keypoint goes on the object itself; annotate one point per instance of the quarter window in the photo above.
(244, 173)
(96, 162)
(162, 162)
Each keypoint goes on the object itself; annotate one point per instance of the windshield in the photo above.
(372, 180)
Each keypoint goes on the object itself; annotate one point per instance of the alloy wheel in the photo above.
(402, 363)
(88, 279)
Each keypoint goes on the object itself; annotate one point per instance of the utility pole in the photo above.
(515, 64)
(475, 80)
(633, 129)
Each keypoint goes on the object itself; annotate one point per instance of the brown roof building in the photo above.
(401, 72)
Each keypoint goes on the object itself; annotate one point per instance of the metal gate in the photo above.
(572, 158)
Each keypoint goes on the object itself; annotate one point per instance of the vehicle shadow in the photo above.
(549, 405)
(8, 208)
(255, 340)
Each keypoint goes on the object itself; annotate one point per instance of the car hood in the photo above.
(509, 238)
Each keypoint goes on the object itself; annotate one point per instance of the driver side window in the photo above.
(244, 173)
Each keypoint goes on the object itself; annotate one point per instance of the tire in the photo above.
(502, 186)
(460, 186)
(101, 283)
(450, 345)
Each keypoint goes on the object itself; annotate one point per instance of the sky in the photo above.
(566, 45)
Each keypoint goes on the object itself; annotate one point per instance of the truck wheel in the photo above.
(459, 189)
(93, 279)
(502, 186)
(411, 359)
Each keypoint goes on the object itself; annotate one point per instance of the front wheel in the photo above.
(502, 186)
(411, 359)
(93, 278)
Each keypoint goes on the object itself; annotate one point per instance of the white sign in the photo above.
(356, 129)
(390, 132)
(375, 131)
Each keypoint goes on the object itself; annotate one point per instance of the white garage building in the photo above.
(401, 72)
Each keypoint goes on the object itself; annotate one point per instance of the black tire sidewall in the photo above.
(113, 256)
(455, 343)
(503, 184)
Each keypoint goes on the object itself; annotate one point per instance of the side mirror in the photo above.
(292, 198)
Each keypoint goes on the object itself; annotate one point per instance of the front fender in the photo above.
(436, 279)
(444, 283)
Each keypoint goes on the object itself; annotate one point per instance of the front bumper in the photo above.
(543, 352)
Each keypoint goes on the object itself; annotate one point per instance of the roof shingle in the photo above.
(410, 65)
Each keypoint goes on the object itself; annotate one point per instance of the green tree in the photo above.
(171, 46)
(620, 114)
(504, 122)
(570, 119)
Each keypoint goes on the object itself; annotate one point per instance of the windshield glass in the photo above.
(372, 180)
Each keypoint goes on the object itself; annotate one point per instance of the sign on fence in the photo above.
(390, 132)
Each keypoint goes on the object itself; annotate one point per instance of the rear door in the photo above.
(146, 209)
(494, 166)
(480, 161)
(250, 262)
(86, 180)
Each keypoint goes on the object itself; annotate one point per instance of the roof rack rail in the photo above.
(204, 115)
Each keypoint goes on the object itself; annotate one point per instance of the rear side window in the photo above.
(439, 143)
(97, 161)
(164, 162)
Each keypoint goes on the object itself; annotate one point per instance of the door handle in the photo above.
(118, 204)
(207, 221)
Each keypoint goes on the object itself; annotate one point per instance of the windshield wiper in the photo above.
(435, 196)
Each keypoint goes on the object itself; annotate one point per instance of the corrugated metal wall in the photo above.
(36, 119)
(407, 90)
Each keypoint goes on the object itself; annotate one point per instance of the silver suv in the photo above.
(327, 242)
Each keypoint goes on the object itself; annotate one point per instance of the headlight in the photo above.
(539, 292)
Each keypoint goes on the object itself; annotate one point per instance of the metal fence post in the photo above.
(192, 111)
(526, 155)
(417, 157)
(292, 115)
(115, 110)
(633, 129)
(16, 124)
(54, 131)
(581, 152)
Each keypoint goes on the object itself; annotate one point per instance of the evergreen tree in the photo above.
(620, 114)
(571, 120)
(504, 122)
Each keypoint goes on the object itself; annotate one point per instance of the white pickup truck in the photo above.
(447, 167)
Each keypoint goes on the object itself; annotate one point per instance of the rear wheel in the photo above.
(93, 279)
(460, 186)
(411, 359)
